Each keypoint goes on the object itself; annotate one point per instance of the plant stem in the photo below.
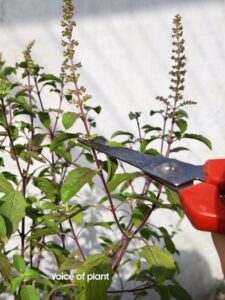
(83, 118)
(76, 240)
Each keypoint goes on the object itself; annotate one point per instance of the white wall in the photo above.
(125, 48)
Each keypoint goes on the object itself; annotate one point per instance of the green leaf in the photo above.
(163, 291)
(69, 118)
(148, 128)
(173, 198)
(28, 292)
(160, 263)
(153, 112)
(49, 77)
(46, 186)
(1, 162)
(119, 178)
(168, 241)
(21, 103)
(5, 185)
(3, 286)
(152, 151)
(10, 176)
(182, 124)
(94, 288)
(107, 225)
(12, 208)
(41, 232)
(77, 219)
(146, 233)
(75, 180)
(200, 138)
(61, 151)
(181, 114)
(2, 228)
(61, 137)
(9, 70)
(179, 292)
(97, 109)
(134, 115)
(139, 214)
(19, 263)
(44, 118)
(5, 268)
(59, 252)
(112, 166)
(120, 132)
(114, 144)
(178, 149)
(15, 283)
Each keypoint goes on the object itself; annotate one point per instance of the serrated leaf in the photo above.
(112, 166)
(2, 228)
(5, 268)
(59, 252)
(182, 125)
(49, 77)
(5, 185)
(199, 138)
(41, 232)
(15, 283)
(153, 112)
(120, 132)
(119, 178)
(173, 198)
(107, 225)
(77, 219)
(75, 180)
(46, 186)
(152, 151)
(12, 209)
(19, 263)
(181, 114)
(69, 118)
(44, 118)
(178, 149)
(61, 137)
(95, 289)
(21, 103)
(163, 291)
(168, 241)
(160, 263)
(28, 292)
(179, 292)
(139, 213)
(147, 128)
(61, 151)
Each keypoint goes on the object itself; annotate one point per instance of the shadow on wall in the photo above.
(24, 11)
(197, 278)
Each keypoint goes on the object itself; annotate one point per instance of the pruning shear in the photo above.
(203, 202)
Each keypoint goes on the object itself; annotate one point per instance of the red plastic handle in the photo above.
(214, 171)
(203, 204)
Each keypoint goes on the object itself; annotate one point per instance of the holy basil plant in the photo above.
(74, 224)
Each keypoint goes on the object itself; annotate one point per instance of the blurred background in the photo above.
(125, 49)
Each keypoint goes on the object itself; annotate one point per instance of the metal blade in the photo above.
(171, 172)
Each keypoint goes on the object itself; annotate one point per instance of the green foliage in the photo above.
(160, 263)
(94, 288)
(28, 292)
(68, 119)
(75, 180)
(12, 209)
(42, 203)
